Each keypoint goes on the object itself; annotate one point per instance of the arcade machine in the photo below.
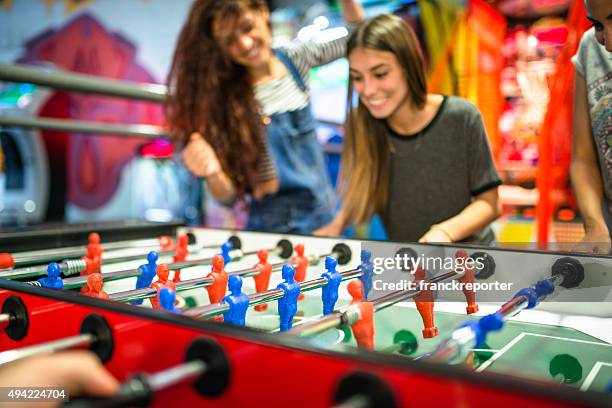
(24, 179)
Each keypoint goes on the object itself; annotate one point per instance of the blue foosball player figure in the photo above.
(166, 299)
(238, 302)
(287, 305)
(330, 290)
(367, 269)
(225, 251)
(53, 280)
(147, 273)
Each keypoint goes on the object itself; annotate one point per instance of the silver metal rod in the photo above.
(148, 292)
(82, 83)
(319, 326)
(133, 254)
(80, 281)
(72, 267)
(45, 256)
(144, 293)
(96, 128)
(177, 374)
(514, 306)
(456, 347)
(5, 319)
(189, 284)
(29, 271)
(215, 309)
(557, 279)
(46, 348)
(356, 401)
(340, 318)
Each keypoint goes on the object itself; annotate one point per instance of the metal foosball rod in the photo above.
(351, 313)
(81, 340)
(70, 267)
(189, 284)
(74, 266)
(141, 388)
(45, 256)
(267, 296)
(284, 247)
(5, 320)
(144, 293)
(472, 334)
(205, 366)
(95, 334)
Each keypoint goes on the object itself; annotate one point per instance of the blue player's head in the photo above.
(288, 272)
(53, 270)
(227, 246)
(234, 284)
(330, 263)
(152, 257)
(166, 298)
(365, 255)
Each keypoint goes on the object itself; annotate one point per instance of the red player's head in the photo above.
(94, 238)
(165, 242)
(6, 260)
(183, 240)
(162, 272)
(461, 254)
(355, 289)
(95, 282)
(299, 249)
(262, 254)
(217, 263)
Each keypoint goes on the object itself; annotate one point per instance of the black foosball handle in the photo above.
(136, 392)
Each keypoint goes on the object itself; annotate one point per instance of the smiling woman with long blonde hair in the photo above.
(419, 160)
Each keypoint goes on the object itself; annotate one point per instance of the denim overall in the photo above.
(305, 200)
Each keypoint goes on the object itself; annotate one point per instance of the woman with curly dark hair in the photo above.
(242, 112)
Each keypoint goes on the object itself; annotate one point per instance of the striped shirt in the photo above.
(284, 95)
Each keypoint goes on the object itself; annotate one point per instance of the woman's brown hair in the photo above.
(211, 94)
(364, 177)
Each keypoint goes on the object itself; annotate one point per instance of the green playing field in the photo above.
(544, 352)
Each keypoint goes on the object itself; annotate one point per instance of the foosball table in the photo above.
(223, 318)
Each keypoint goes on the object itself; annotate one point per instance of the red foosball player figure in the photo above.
(166, 243)
(424, 303)
(163, 272)
(468, 277)
(92, 263)
(6, 260)
(301, 264)
(262, 279)
(180, 255)
(217, 290)
(94, 286)
(94, 242)
(363, 329)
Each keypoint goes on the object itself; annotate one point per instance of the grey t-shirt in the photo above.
(594, 64)
(436, 172)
